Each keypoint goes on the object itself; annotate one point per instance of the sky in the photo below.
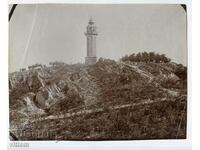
(42, 33)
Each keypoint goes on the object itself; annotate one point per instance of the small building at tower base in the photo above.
(90, 60)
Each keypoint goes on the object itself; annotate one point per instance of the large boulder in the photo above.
(31, 106)
(49, 95)
(41, 98)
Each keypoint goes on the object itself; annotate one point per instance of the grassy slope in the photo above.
(118, 85)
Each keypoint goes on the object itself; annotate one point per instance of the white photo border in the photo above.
(182, 144)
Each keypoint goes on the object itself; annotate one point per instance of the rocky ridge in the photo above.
(55, 93)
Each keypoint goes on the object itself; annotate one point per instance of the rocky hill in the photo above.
(106, 101)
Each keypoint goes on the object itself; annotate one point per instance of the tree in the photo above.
(165, 59)
(132, 57)
(145, 57)
(138, 57)
(152, 56)
(125, 58)
(157, 58)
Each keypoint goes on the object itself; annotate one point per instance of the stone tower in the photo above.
(91, 34)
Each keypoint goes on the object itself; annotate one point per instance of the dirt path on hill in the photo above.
(90, 111)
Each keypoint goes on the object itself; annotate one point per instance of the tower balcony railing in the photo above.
(91, 33)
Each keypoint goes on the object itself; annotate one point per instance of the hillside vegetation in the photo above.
(142, 96)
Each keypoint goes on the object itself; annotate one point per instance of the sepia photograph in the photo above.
(97, 72)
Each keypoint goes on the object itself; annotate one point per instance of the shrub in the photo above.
(146, 57)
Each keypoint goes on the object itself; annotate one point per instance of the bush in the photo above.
(146, 57)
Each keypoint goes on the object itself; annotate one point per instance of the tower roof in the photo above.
(91, 22)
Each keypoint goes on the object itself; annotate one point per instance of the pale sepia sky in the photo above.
(40, 33)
